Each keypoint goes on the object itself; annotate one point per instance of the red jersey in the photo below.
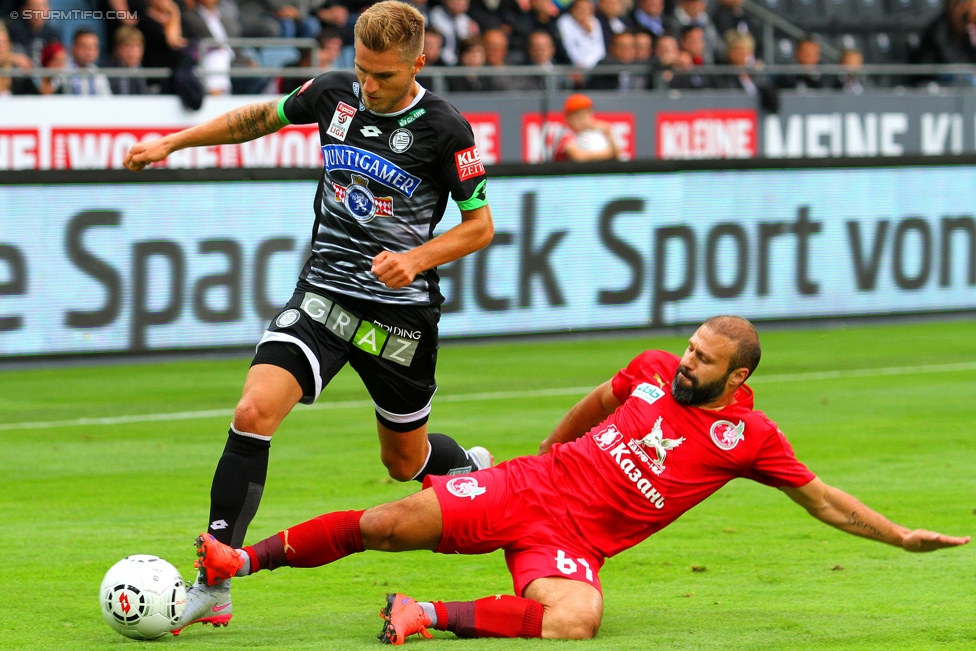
(654, 458)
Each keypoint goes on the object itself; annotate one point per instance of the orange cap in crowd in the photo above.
(577, 102)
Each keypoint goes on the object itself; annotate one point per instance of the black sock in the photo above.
(237, 486)
(446, 458)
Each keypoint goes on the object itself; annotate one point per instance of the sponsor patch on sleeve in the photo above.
(468, 163)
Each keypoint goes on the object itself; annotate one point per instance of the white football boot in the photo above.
(206, 604)
(480, 457)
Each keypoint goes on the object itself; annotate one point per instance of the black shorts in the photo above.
(393, 348)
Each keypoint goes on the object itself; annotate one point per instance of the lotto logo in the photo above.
(469, 163)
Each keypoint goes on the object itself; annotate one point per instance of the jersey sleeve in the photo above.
(299, 106)
(626, 379)
(461, 166)
(776, 464)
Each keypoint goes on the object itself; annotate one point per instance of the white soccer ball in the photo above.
(142, 597)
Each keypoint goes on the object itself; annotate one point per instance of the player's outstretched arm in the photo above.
(839, 509)
(240, 125)
(586, 413)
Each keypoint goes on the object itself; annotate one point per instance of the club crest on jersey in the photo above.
(656, 443)
(607, 438)
(726, 435)
(465, 487)
(400, 140)
(648, 393)
(468, 163)
(362, 204)
(341, 121)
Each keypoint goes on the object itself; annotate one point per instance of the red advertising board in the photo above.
(487, 129)
(20, 149)
(81, 148)
(707, 133)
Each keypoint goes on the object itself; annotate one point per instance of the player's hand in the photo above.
(144, 153)
(921, 540)
(394, 269)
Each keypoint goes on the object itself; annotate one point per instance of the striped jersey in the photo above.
(385, 183)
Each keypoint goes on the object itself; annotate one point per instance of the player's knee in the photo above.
(400, 467)
(378, 527)
(572, 622)
(251, 416)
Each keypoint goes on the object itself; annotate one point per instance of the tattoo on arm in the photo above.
(253, 121)
(855, 519)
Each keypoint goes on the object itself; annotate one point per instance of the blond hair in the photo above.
(734, 37)
(126, 33)
(392, 24)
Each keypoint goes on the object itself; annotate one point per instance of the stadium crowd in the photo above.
(664, 42)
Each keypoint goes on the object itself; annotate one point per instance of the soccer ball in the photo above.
(142, 597)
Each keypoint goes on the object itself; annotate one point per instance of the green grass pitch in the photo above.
(886, 413)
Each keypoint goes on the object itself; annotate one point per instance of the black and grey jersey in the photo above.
(385, 183)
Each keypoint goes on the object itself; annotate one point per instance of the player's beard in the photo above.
(696, 394)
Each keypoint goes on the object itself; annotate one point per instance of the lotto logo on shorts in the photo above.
(469, 163)
(465, 487)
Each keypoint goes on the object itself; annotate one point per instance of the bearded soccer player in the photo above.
(368, 295)
(640, 450)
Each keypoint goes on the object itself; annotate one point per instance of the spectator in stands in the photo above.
(950, 38)
(433, 44)
(807, 55)
(613, 18)
(324, 57)
(471, 55)
(541, 51)
(623, 51)
(279, 18)
(332, 13)
(31, 35)
(643, 45)
(851, 80)
(667, 61)
(10, 60)
(692, 55)
(496, 56)
(162, 28)
(729, 15)
(127, 53)
(54, 60)
(451, 19)
(649, 14)
(692, 13)
(741, 48)
(495, 14)
(586, 138)
(85, 50)
(540, 16)
(581, 34)
(210, 19)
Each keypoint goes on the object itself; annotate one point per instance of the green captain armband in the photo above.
(281, 107)
(478, 199)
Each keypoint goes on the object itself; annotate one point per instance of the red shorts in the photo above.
(515, 507)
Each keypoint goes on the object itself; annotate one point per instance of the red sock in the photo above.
(499, 616)
(319, 541)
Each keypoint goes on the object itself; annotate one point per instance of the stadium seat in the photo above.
(808, 14)
(849, 41)
(914, 13)
(784, 51)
